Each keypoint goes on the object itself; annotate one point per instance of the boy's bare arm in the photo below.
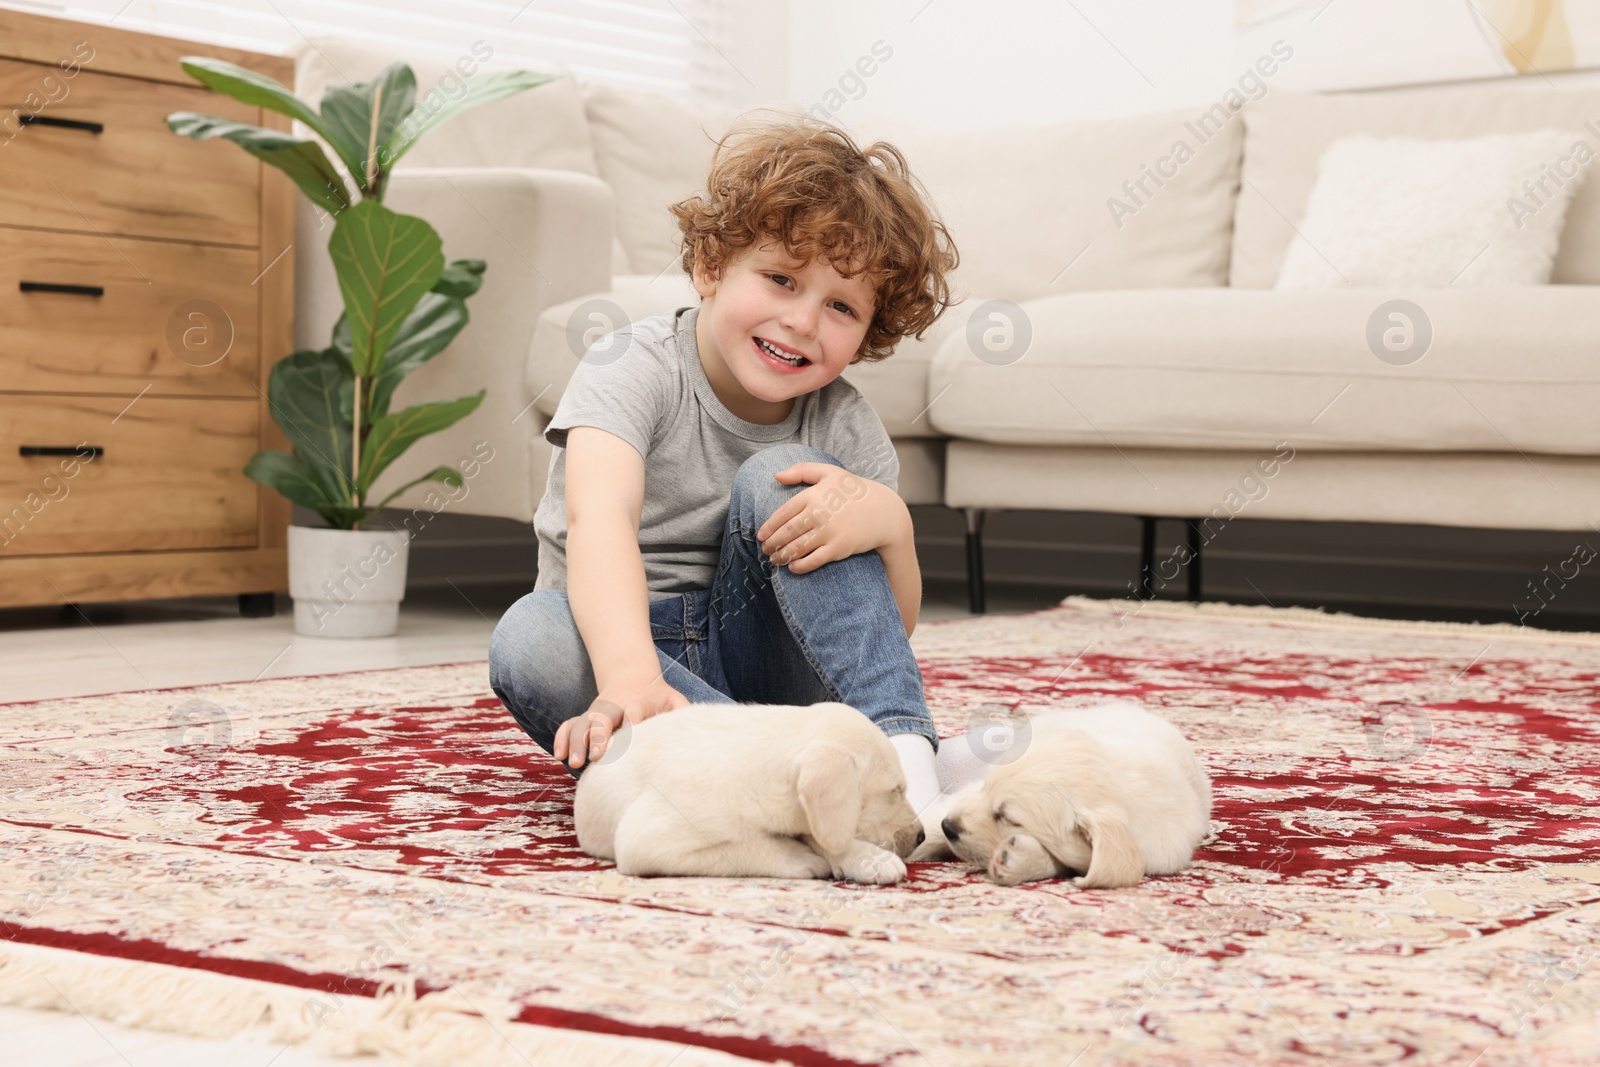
(605, 571)
(607, 592)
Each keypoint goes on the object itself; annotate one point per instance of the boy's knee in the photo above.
(536, 613)
(536, 651)
(756, 476)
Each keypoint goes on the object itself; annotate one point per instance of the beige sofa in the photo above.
(1128, 357)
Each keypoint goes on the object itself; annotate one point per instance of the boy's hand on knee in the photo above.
(838, 515)
(585, 737)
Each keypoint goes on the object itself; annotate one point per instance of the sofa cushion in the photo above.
(1286, 134)
(897, 387)
(653, 150)
(1042, 209)
(1248, 368)
(1429, 213)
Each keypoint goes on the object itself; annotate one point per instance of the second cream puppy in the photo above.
(1105, 795)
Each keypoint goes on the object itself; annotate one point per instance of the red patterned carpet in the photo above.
(1404, 868)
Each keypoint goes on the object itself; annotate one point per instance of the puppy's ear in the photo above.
(829, 787)
(1115, 860)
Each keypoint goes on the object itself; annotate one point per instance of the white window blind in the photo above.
(670, 46)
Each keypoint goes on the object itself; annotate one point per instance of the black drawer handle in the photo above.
(66, 124)
(61, 450)
(57, 287)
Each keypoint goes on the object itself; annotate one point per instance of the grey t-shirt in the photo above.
(653, 393)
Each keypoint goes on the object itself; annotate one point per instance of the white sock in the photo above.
(958, 762)
(917, 760)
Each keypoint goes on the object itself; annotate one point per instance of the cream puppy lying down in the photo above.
(750, 790)
(1110, 793)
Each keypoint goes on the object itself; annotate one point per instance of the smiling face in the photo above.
(772, 328)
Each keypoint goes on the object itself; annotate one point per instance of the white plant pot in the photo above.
(347, 583)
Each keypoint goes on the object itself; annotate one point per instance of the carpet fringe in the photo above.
(1337, 620)
(435, 1030)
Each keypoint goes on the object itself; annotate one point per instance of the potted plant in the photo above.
(403, 304)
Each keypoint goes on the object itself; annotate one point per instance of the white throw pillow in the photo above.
(1404, 211)
(653, 150)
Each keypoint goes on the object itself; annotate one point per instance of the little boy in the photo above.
(722, 522)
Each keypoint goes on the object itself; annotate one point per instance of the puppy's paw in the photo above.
(810, 866)
(869, 864)
(1020, 858)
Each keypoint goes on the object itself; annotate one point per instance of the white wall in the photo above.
(961, 64)
(753, 42)
(1379, 44)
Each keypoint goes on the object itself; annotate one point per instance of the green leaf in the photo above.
(438, 317)
(304, 161)
(288, 474)
(385, 262)
(341, 338)
(347, 110)
(426, 332)
(447, 475)
(249, 87)
(461, 278)
(396, 432)
(346, 518)
(484, 89)
(303, 393)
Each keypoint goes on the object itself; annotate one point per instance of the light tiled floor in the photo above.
(57, 1039)
(107, 648)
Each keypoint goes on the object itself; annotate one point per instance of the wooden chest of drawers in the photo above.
(146, 287)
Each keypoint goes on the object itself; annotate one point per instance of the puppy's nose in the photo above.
(951, 828)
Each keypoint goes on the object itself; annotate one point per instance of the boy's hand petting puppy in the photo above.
(585, 737)
(838, 515)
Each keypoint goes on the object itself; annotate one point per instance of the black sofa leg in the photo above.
(1194, 558)
(975, 602)
(1147, 556)
(257, 605)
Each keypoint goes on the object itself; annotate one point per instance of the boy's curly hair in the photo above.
(804, 182)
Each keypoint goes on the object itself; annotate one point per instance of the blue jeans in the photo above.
(761, 634)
